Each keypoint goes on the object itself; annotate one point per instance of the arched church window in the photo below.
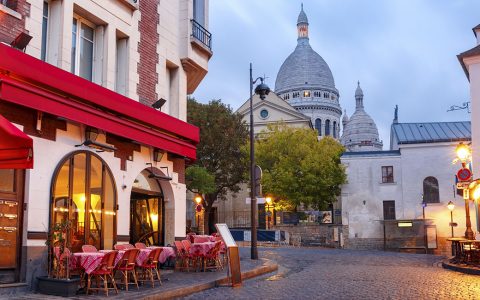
(334, 129)
(306, 93)
(84, 192)
(327, 127)
(430, 190)
(318, 126)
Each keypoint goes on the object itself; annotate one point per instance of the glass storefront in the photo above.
(84, 192)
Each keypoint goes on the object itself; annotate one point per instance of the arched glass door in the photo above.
(147, 211)
(84, 192)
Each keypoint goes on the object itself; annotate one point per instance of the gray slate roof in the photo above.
(435, 132)
(372, 153)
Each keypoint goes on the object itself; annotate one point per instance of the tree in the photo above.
(198, 180)
(299, 169)
(222, 136)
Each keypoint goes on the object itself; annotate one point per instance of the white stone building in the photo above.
(391, 185)
(101, 91)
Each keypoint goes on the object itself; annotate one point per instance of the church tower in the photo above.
(306, 83)
(360, 132)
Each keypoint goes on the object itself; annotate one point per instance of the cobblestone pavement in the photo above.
(315, 273)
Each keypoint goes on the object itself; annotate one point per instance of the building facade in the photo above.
(101, 92)
(386, 189)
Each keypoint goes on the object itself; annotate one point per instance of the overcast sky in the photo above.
(402, 52)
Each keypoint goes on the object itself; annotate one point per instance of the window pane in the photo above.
(110, 211)
(44, 30)
(199, 11)
(87, 32)
(60, 194)
(7, 184)
(74, 46)
(79, 199)
(86, 59)
(95, 209)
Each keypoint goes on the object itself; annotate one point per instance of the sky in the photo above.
(403, 52)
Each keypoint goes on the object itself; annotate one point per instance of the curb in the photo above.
(460, 268)
(184, 291)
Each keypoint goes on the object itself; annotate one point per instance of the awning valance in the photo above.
(16, 148)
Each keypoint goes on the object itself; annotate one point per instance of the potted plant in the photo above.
(59, 281)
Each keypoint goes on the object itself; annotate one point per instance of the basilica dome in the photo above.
(306, 82)
(360, 132)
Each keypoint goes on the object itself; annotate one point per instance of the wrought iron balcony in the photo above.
(201, 34)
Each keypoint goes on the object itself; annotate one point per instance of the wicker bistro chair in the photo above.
(193, 260)
(150, 267)
(212, 258)
(123, 246)
(126, 266)
(140, 246)
(89, 248)
(104, 272)
(183, 256)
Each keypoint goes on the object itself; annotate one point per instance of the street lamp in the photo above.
(262, 90)
(198, 210)
(268, 201)
(451, 206)
(464, 153)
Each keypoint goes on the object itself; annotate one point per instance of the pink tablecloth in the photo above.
(166, 253)
(203, 238)
(201, 248)
(88, 261)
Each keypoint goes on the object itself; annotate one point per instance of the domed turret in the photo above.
(306, 82)
(360, 132)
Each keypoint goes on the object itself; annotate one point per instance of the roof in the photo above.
(435, 132)
(372, 153)
(469, 53)
(474, 29)
(302, 17)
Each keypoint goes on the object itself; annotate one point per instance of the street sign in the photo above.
(464, 174)
(463, 185)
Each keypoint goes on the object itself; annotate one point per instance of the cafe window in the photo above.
(387, 174)
(84, 192)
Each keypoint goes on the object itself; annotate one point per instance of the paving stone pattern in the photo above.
(316, 273)
(171, 281)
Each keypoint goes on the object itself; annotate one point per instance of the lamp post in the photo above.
(463, 152)
(262, 90)
(451, 206)
(268, 200)
(198, 210)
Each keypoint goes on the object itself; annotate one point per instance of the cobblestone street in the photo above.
(317, 273)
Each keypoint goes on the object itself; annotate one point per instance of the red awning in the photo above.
(16, 148)
(33, 83)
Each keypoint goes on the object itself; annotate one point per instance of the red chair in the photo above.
(89, 248)
(140, 246)
(150, 266)
(212, 258)
(104, 272)
(126, 266)
(182, 259)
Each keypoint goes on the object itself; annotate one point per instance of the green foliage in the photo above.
(299, 169)
(222, 134)
(199, 180)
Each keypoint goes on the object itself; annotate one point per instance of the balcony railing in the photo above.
(201, 34)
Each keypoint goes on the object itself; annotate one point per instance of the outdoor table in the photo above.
(201, 249)
(88, 261)
(203, 238)
(166, 253)
(456, 247)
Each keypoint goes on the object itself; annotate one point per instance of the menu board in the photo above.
(232, 252)
(227, 237)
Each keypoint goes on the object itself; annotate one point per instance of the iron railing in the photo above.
(201, 34)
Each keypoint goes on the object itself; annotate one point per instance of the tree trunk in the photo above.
(209, 201)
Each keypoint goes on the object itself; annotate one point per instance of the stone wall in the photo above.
(315, 235)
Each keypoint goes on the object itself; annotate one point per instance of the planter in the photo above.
(58, 287)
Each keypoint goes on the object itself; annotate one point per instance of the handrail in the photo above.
(201, 34)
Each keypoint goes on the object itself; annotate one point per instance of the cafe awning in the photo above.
(32, 83)
(16, 148)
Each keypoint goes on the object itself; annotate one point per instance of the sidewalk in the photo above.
(178, 284)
